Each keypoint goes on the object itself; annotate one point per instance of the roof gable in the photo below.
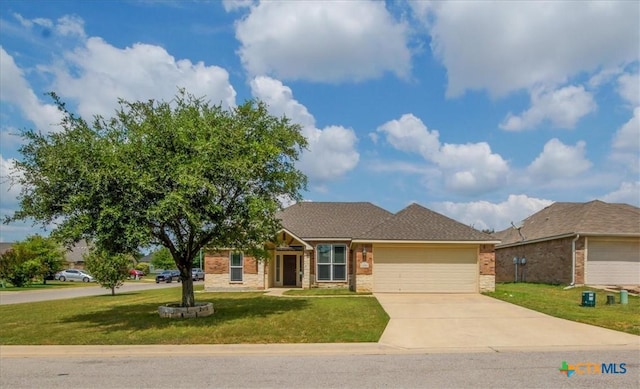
(417, 223)
(563, 218)
(338, 220)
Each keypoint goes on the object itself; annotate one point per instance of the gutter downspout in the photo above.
(573, 260)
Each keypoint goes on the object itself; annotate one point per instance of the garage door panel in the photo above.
(613, 262)
(425, 270)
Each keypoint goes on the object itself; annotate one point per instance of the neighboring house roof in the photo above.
(365, 221)
(417, 223)
(5, 246)
(562, 219)
(337, 220)
(76, 253)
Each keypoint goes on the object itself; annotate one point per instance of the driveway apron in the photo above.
(473, 322)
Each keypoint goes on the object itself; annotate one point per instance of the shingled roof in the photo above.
(417, 223)
(337, 220)
(592, 218)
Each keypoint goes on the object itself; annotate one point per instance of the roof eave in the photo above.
(396, 241)
(562, 236)
(306, 245)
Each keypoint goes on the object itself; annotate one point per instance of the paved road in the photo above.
(59, 294)
(461, 370)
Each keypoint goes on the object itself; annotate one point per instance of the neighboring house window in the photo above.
(277, 268)
(235, 266)
(331, 262)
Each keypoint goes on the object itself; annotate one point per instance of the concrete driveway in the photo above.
(473, 322)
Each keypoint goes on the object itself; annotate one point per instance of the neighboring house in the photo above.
(74, 256)
(5, 246)
(365, 248)
(592, 243)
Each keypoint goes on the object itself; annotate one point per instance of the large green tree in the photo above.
(183, 174)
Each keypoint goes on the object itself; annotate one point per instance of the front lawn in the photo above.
(554, 300)
(132, 318)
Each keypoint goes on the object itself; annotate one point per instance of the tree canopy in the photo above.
(182, 174)
(110, 271)
(34, 257)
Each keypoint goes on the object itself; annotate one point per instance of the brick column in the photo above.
(306, 278)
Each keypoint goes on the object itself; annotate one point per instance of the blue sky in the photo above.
(483, 111)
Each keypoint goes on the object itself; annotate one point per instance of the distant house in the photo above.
(75, 255)
(594, 243)
(365, 248)
(5, 246)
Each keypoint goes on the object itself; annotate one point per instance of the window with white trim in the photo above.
(235, 267)
(331, 262)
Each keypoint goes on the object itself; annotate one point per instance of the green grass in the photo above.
(132, 318)
(323, 292)
(50, 285)
(554, 300)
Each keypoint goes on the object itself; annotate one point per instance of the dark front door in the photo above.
(289, 270)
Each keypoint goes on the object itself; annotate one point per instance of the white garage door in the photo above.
(613, 262)
(425, 270)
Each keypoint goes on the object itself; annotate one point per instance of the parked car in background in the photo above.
(134, 273)
(73, 275)
(197, 274)
(168, 276)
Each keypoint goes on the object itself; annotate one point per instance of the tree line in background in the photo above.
(38, 259)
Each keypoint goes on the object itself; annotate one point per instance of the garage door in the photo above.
(613, 262)
(425, 270)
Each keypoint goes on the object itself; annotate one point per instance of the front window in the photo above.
(235, 266)
(331, 262)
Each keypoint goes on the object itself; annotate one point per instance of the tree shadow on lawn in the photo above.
(144, 316)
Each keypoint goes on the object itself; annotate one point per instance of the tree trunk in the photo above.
(113, 290)
(188, 299)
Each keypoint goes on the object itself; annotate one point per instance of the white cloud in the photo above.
(506, 46)
(331, 151)
(467, 168)
(498, 216)
(409, 133)
(472, 168)
(558, 160)
(323, 41)
(97, 74)
(15, 90)
(69, 25)
(628, 192)
(562, 108)
(626, 143)
(280, 100)
(629, 88)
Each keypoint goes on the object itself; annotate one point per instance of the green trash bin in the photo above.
(588, 298)
(624, 297)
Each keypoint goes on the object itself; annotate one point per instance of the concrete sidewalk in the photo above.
(477, 322)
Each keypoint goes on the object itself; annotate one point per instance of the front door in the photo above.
(289, 270)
